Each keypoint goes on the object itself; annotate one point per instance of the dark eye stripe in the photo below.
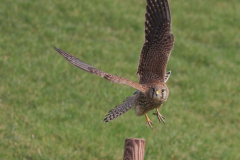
(153, 89)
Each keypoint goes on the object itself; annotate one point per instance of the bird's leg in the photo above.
(148, 121)
(160, 117)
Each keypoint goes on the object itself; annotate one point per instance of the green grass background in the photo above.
(50, 109)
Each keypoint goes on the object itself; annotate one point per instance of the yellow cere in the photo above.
(157, 92)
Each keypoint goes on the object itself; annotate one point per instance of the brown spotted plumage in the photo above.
(152, 91)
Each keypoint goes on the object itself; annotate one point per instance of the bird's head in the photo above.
(159, 92)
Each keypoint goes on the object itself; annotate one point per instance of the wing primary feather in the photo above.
(152, 17)
(156, 4)
(168, 13)
(78, 63)
(163, 12)
(73, 60)
(151, 8)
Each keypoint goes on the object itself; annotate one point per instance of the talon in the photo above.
(160, 117)
(148, 122)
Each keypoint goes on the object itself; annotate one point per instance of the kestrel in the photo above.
(152, 91)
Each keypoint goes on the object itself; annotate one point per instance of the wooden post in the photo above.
(134, 149)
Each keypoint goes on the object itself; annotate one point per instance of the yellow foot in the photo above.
(160, 117)
(148, 121)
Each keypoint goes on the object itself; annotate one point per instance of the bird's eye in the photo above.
(163, 90)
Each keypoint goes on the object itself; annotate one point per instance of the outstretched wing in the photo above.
(78, 63)
(112, 78)
(158, 40)
(120, 109)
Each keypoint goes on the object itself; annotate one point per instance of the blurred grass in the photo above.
(52, 110)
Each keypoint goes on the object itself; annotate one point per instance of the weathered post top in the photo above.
(134, 149)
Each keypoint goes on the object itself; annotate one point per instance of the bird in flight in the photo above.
(152, 90)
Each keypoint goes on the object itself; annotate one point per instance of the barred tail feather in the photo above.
(120, 109)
